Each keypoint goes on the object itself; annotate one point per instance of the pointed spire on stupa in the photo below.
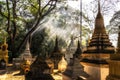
(72, 42)
(27, 54)
(78, 51)
(99, 22)
(99, 9)
(27, 46)
(56, 55)
(27, 49)
(71, 49)
(56, 48)
(99, 42)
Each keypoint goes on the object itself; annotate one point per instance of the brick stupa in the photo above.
(75, 71)
(100, 47)
(114, 63)
(56, 55)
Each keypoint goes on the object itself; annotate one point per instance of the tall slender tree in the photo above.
(25, 13)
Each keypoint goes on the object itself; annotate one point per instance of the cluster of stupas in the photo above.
(99, 51)
(100, 47)
(45, 66)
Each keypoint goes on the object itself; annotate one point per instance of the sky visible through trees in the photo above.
(63, 21)
(89, 8)
(108, 8)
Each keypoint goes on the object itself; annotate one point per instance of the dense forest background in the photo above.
(40, 21)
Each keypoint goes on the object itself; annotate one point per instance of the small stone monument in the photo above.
(70, 50)
(4, 51)
(39, 70)
(75, 70)
(56, 55)
(114, 63)
(26, 54)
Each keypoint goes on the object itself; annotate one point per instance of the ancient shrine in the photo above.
(75, 69)
(99, 46)
(94, 58)
(4, 51)
(78, 51)
(56, 55)
(114, 63)
(26, 54)
(39, 70)
(70, 50)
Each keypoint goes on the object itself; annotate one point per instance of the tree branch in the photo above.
(8, 19)
(14, 18)
(2, 14)
(35, 26)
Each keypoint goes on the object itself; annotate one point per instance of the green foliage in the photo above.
(114, 23)
(39, 42)
(20, 18)
(62, 43)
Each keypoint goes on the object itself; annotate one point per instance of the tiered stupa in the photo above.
(99, 46)
(26, 54)
(78, 51)
(74, 69)
(70, 50)
(56, 55)
(114, 63)
(39, 70)
(98, 51)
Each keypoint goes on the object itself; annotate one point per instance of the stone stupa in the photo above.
(56, 55)
(39, 70)
(94, 58)
(114, 63)
(100, 47)
(75, 70)
(78, 51)
(70, 50)
(26, 54)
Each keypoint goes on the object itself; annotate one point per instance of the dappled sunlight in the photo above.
(11, 76)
